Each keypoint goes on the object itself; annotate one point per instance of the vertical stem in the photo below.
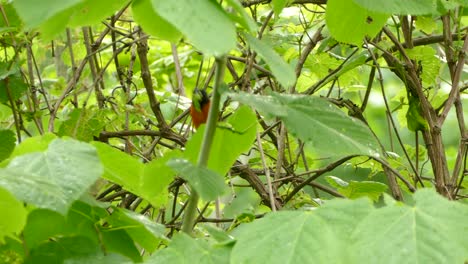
(267, 174)
(189, 216)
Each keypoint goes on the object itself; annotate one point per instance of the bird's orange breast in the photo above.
(199, 117)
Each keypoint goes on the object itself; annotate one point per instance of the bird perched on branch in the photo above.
(200, 107)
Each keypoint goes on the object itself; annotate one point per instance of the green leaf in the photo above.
(245, 200)
(427, 60)
(61, 248)
(119, 167)
(82, 218)
(358, 189)
(152, 23)
(432, 231)
(409, 7)
(91, 12)
(55, 25)
(156, 177)
(414, 118)
(33, 17)
(280, 69)
(203, 22)
(149, 180)
(241, 16)
(53, 179)
(312, 119)
(109, 258)
(143, 231)
(184, 249)
(15, 82)
(82, 124)
(53, 16)
(353, 231)
(42, 224)
(32, 144)
(299, 237)
(7, 143)
(239, 128)
(208, 184)
(15, 212)
(336, 182)
(118, 241)
(279, 5)
(350, 23)
(14, 22)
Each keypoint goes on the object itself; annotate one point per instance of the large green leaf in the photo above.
(55, 178)
(232, 138)
(15, 212)
(119, 167)
(428, 62)
(203, 22)
(82, 124)
(82, 218)
(118, 241)
(61, 248)
(358, 189)
(33, 16)
(143, 231)
(408, 7)
(11, 78)
(414, 117)
(280, 69)
(149, 180)
(7, 143)
(32, 144)
(109, 258)
(278, 6)
(432, 231)
(351, 23)
(90, 12)
(241, 16)
(299, 237)
(43, 224)
(314, 120)
(184, 249)
(208, 184)
(153, 23)
(353, 231)
(53, 16)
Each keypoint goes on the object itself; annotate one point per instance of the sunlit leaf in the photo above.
(149, 180)
(409, 7)
(280, 69)
(33, 17)
(344, 231)
(9, 206)
(184, 249)
(417, 227)
(43, 224)
(350, 23)
(208, 184)
(203, 22)
(317, 122)
(7, 143)
(153, 23)
(55, 178)
(142, 230)
(91, 12)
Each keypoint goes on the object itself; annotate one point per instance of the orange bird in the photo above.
(200, 107)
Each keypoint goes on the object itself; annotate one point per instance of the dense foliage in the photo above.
(336, 134)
